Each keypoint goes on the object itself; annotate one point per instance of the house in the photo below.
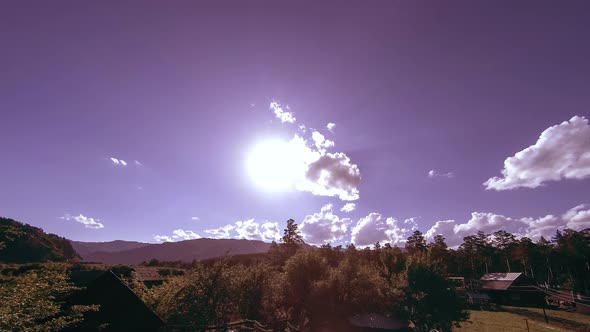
(512, 288)
(120, 308)
(149, 276)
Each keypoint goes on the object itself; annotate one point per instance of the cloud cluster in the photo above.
(86, 221)
(332, 174)
(120, 162)
(316, 170)
(561, 152)
(249, 230)
(433, 174)
(281, 113)
(320, 142)
(375, 228)
(577, 218)
(177, 235)
(324, 226)
(348, 207)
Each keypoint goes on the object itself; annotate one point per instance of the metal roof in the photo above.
(510, 276)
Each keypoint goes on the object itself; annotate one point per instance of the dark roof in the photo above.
(120, 307)
(499, 281)
(147, 274)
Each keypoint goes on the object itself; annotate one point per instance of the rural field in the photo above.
(504, 321)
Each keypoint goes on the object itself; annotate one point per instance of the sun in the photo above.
(272, 165)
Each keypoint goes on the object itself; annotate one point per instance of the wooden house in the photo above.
(512, 289)
(120, 308)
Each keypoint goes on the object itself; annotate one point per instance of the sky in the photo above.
(361, 120)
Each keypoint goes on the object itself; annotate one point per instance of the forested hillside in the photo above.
(22, 243)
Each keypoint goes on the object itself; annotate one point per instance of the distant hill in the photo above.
(185, 251)
(22, 243)
(85, 249)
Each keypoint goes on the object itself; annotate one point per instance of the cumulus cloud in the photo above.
(577, 218)
(195, 218)
(86, 221)
(177, 235)
(561, 152)
(223, 232)
(333, 174)
(309, 166)
(321, 143)
(433, 174)
(249, 230)
(120, 162)
(324, 226)
(348, 207)
(281, 113)
(375, 228)
(321, 173)
(331, 126)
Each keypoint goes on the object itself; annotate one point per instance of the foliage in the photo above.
(430, 302)
(35, 301)
(22, 243)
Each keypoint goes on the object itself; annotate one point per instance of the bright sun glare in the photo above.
(272, 165)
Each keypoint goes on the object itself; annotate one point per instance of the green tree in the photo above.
(439, 252)
(430, 302)
(35, 301)
(292, 239)
(416, 243)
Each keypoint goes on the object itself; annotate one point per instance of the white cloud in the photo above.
(302, 167)
(544, 226)
(195, 218)
(348, 207)
(86, 221)
(177, 235)
(324, 226)
(433, 173)
(138, 163)
(249, 230)
(333, 175)
(577, 218)
(223, 232)
(281, 113)
(375, 228)
(561, 152)
(308, 166)
(331, 126)
(411, 222)
(445, 228)
(163, 238)
(120, 162)
(320, 142)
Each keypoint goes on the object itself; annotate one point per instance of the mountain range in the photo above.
(130, 252)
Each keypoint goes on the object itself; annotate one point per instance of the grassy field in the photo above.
(503, 321)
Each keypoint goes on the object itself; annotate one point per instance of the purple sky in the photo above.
(184, 88)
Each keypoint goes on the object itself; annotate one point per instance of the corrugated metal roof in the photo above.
(510, 276)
